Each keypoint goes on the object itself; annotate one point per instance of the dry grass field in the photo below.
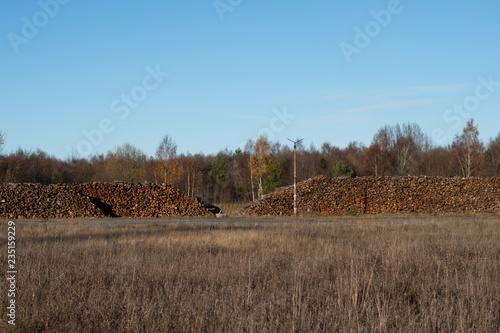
(353, 275)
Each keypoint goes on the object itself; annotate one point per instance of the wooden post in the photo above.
(295, 176)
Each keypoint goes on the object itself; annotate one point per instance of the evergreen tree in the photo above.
(273, 176)
(219, 173)
(342, 170)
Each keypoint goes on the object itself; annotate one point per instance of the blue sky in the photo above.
(87, 76)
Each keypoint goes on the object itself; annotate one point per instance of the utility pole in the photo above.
(295, 175)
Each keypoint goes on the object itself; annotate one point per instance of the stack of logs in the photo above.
(381, 195)
(96, 200)
(138, 200)
(37, 201)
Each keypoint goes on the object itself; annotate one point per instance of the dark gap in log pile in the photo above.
(106, 209)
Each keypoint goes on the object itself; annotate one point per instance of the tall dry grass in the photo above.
(258, 277)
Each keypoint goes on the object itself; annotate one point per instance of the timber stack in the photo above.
(37, 201)
(96, 200)
(383, 195)
(138, 200)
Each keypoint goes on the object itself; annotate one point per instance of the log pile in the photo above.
(96, 200)
(382, 195)
(137, 200)
(37, 201)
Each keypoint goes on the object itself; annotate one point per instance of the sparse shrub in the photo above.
(353, 211)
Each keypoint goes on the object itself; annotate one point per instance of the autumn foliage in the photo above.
(258, 163)
(249, 172)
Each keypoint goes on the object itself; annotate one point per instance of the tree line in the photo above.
(249, 172)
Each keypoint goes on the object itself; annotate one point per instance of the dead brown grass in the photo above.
(266, 277)
(231, 209)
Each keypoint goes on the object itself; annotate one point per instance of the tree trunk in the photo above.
(251, 182)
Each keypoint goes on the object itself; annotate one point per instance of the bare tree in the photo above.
(403, 145)
(469, 150)
(2, 141)
(240, 177)
(377, 160)
(354, 157)
(493, 156)
(127, 163)
(410, 141)
(438, 162)
(166, 153)
(193, 174)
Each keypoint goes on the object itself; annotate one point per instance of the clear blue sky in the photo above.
(240, 68)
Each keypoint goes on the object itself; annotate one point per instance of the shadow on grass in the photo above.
(153, 229)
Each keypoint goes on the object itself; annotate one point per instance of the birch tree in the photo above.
(170, 166)
(469, 150)
(258, 162)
